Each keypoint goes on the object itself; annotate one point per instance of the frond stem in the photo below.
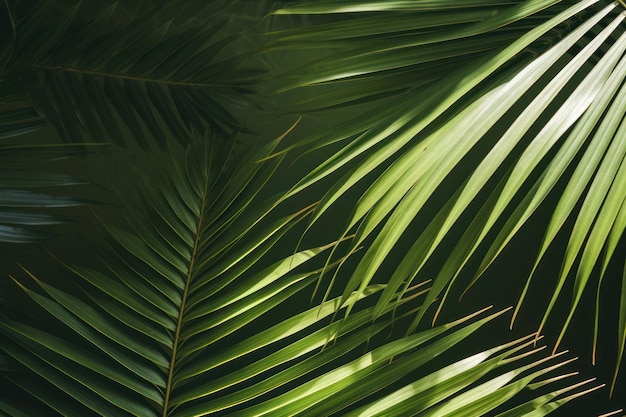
(192, 262)
(121, 76)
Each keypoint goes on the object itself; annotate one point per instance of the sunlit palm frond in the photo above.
(487, 144)
(235, 380)
(164, 327)
(478, 114)
(437, 394)
(148, 312)
(388, 48)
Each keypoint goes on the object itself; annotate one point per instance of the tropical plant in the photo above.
(198, 289)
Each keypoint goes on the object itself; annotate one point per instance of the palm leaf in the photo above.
(192, 308)
(411, 43)
(55, 360)
(27, 199)
(163, 328)
(524, 120)
(19, 122)
(165, 73)
(163, 276)
(21, 208)
(621, 332)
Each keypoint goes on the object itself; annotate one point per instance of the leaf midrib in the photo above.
(121, 76)
(192, 261)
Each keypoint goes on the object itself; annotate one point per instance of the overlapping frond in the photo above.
(26, 192)
(478, 114)
(487, 143)
(285, 380)
(164, 329)
(166, 73)
(390, 48)
(146, 314)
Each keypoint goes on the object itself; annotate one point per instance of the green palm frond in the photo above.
(18, 122)
(204, 385)
(166, 73)
(163, 328)
(621, 332)
(22, 201)
(391, 48)
(434, 394)
(21, 210)
(486, 141)
(175, 263)
(465, 122)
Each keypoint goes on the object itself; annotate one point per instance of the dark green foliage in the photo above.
(202, 261)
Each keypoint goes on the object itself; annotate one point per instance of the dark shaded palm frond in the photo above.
(7, 36)
(491, 139)
(22, 211)
(23, 204)
(166, 73)
(164, 327)
(19, 121)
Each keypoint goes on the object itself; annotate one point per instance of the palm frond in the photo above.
(149, 283)
(471, 118)
(399, 48)
(166, 73)
(163, 328)
(7, 34)
(434, 394)
(16, 202)
(26, 194)
(486, 144)
(18, 122)
(236, 388)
